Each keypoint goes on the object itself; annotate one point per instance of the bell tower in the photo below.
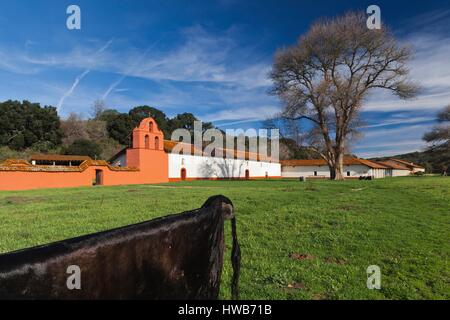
(147, 153)
(148, 136)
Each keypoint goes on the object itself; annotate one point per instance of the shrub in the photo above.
(84, 147)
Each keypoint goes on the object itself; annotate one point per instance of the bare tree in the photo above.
(439, 136)
(73, 128)
(98, 108)
(328, 74)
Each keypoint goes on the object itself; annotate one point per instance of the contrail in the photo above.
(79, 78)
(127, 72)
(69, 92)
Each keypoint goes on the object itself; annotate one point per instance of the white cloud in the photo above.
(200, 57)
(430, 66)
(396, 122)
(256, 113)
(402, 131)
(391, 141)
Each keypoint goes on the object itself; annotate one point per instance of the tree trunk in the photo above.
(337, 166)
(337, 173)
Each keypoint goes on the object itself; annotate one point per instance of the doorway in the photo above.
(247, 174)
(183, 174)
(98, 177)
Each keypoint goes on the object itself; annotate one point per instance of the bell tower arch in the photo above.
(147, 152)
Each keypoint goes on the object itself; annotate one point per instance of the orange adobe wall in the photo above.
(23, 180)
(146, 163)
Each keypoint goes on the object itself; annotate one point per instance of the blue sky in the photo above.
(210, 58)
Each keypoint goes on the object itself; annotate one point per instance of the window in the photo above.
(150, 126)
(315, 173)
(157, 143)
(147, 142)
(348, 173)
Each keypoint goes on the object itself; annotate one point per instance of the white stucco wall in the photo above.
(304, 171)
(377, 173)
(400, 173)
(210, 167)
(323, 171)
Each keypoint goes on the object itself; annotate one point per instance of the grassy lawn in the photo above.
(335, 230)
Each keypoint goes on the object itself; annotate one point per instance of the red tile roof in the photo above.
(322, 162)
(411, 164)
(24, 165)
(372, 164)
(393, 165)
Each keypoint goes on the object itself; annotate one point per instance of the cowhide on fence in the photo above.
(179, 256)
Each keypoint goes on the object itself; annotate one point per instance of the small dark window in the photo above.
(348, 173)
(150, 126)
(147, 142)
(157, 143)
(315, 173)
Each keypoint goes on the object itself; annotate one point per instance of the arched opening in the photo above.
(183, 174)
(247, 174)
(150, 126)
(147, 142)
(267, 175)
(157, 143)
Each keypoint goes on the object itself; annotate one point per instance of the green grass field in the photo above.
(334, 230)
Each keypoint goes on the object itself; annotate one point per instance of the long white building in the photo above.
(353, 168)
(191, 166)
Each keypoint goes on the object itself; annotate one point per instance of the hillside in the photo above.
(432, 161)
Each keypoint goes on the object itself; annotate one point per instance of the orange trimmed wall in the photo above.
(144, 163)
(147, 162)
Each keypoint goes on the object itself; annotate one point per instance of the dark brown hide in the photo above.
(174, 257)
